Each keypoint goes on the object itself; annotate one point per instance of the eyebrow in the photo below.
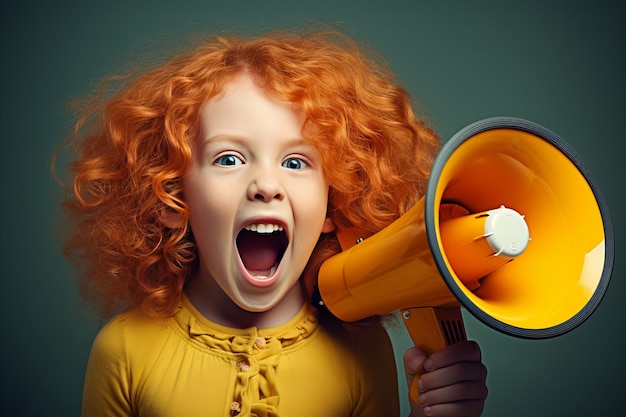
(226, 137)
(223, 137)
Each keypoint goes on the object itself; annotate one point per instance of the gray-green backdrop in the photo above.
(561, 64)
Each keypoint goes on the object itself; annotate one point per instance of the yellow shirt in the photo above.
(188, 366)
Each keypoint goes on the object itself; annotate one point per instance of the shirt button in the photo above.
(242, 365)
(260, 342)
(235, 408)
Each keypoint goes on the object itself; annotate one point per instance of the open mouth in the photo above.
(261, 248)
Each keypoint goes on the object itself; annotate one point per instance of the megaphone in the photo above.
(512, 228)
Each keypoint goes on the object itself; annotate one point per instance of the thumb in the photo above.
(414, 359)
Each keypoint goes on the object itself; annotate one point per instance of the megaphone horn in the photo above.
(512, 227)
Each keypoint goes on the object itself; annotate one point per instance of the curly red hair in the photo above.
(134, 147)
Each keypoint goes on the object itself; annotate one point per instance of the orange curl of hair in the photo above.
(133, 149)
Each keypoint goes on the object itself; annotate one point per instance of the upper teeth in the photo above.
(264, 228)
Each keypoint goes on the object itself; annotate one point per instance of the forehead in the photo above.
(246, 109)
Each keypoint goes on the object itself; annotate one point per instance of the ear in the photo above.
(329, 226)
(171, 219)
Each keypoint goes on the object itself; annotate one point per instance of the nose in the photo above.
(265, 186)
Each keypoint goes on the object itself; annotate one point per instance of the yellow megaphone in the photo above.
(512, 227)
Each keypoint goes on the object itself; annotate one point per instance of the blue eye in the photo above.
(295, 163)
(228, 160)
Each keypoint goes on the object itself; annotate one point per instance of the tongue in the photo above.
(259, 252)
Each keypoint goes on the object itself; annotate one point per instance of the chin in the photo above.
(258, 304)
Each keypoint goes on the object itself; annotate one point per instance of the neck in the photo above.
(211, 301)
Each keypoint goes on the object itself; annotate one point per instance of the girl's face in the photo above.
(257, 197)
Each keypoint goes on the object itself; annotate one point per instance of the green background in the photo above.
(561, 64)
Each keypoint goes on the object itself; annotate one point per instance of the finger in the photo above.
(457, 393)
(413, 363)
(414, 360)
(466, 351)
(453, 374)
(469, 408)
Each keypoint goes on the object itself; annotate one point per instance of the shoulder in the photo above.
(132, 323)
(129, 329)
(370, 332)
(369, 359)
(373, 344)
(362, 342)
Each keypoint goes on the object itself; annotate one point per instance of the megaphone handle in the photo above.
(432, 329)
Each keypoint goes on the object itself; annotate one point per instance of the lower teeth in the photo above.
(271, 272)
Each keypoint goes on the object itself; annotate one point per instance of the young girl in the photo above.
(206, 195)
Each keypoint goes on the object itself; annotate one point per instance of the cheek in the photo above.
(210, 206)
(313, 203)
(202, 190)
